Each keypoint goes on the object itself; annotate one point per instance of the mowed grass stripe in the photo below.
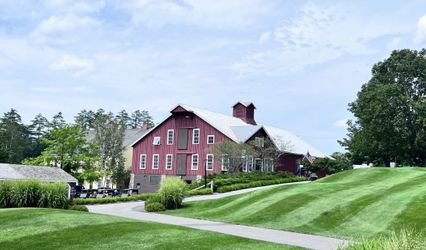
(413, 216)
(329, 206)
(109, 232)
(302, 199)
(241, 206)
(330, 220)
(330, 200)
(383, 211)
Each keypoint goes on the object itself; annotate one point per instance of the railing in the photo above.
(211, 184)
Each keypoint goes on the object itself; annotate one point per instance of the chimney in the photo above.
(244, 111)
(145, 125)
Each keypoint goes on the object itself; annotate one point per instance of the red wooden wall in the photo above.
(177, 120)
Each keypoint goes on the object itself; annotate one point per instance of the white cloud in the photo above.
(214, 14)
(421, 30)
(316, 35)
(341, 123)
(264, 37)
(58, 29)
(77, 65)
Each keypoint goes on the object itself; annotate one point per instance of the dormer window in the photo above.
(156, 140)
(259, 142)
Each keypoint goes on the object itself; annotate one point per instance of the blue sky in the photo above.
(300, 62)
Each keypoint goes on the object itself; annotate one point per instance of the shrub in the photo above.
(154, 207)
(33, 193)
(203, 191)
(91, 201)
(172, 191)
(79, 208)
(239, 186)
(403, 240)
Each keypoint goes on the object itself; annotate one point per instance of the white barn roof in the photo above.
(239, 131)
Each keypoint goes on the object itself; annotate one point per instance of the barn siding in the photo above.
(177, 120)
(287, 162)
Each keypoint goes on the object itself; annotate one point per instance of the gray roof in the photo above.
(130, 136)
(42, 173)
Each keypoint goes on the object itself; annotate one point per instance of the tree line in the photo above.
(58, 143)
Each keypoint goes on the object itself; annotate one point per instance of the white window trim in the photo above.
(208, 139)
(140, 161)
(158, 164)
(173, 136)
(167, 161)
(193, 135)
(192, 162)
(260, 141)
(159, 140)
(207, 157)
(223, 161)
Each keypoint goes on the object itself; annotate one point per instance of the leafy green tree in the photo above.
(68, 149)
(233, 154)
(138, 118)
(15, 141)
(390, 112)
(109, 136)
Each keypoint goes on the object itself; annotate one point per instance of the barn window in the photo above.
(196, 136)
(259, 141)
(169, 161)
(209, 161)
(156, 140)
(154, 179)
(142, 161)
(170, 136)
(225, 162)
(210, 139)
(155, 161)
(194, 162)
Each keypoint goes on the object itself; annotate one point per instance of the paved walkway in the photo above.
(134, 210)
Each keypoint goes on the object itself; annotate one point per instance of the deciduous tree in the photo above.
(389, 112)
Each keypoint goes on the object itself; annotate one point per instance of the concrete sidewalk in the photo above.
(134, 210)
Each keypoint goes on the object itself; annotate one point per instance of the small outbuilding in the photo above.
(41, 173)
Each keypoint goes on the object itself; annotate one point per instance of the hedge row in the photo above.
(204, 191)
(239, 186)
(226, 179)
(90, 201)
(33, 193)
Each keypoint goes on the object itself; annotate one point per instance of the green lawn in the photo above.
(354, 203)
(32, 228)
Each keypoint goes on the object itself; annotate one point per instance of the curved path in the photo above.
(134, 210)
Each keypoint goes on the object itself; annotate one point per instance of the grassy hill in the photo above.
(63, 229)
(354, 203)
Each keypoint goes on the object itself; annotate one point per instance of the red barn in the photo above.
(178, 145)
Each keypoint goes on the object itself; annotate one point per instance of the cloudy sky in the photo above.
(300, 62)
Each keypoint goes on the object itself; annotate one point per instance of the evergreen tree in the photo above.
(124, 118)
(138, 118)
(15, 141)
(58, 121)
